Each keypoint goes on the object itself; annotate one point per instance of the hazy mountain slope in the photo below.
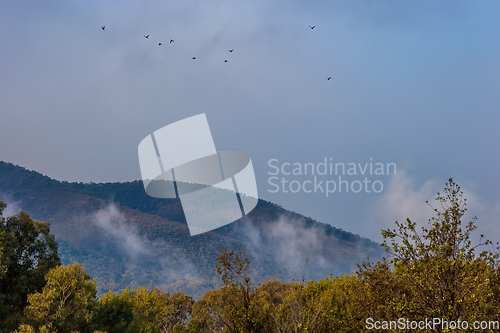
(126, 238)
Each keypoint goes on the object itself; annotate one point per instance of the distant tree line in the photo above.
(433, 273)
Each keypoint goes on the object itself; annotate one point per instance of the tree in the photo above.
(179, 309)
(193, 326)
(208, 312)
(150, 310)
(114, 313)
(241, 313)
(232, 308)
(233, 269)
(178, 328)
(342, 303)
(297, 311)
(435, 274)
(65, 304)
(27, 252)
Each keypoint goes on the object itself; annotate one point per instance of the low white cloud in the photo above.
(167, 263)
(487, 212)
(114, 223)
(289, 242)
(405, 198)
(13, 206)
(299, 249)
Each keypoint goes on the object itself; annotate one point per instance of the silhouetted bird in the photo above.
(194, 58)
(329, 78)
(225, 60)
(231, 50)
(147, 36)
(312, 27)
(103, 27)
(159, 43)
(171, 41)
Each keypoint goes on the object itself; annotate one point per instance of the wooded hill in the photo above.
(124, 238)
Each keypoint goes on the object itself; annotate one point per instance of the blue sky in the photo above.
(414, 83)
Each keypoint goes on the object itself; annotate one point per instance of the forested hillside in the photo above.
(124, 238)
(431, 280)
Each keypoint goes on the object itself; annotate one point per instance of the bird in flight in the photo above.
(171, 41)
(146, 36)
(194, 58)
(159, 44)
(225, 60)
(312, 27)
(231, 50)
(103, 27)
(329, 78)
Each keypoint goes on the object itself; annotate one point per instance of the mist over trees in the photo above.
(435, 271)
(125, 238)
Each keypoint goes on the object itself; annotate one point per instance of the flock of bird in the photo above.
(171, 41)
(230, 50)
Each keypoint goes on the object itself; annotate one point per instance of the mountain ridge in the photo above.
(125, 238)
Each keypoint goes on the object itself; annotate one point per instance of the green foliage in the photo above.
(27, 251)
(433, 274)
(114, 313)
(208, 312)
(143, 310)
(240, 311)
(193, 326)
(150, 310)
(178, 328)
(65, 304)
(179, 310)
(327, 305)
(25, 329)
(233, 270)
(437, 273)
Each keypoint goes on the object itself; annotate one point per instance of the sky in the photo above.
(414, 83)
